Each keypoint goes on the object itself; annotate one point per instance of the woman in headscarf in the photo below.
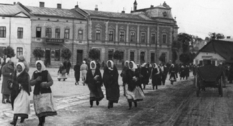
(62, 73)
(110, 78)
(7, 72)
(94, 82)
(42, 94)
(84, 69)
(22, 59)
(182, 72)
(156, 78)
(123, 75)
(20, 84)
(133, 91)
(145, 72)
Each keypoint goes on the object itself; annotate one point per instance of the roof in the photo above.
(222, 47)
(9, 9)
(44, 11)
(116, 15)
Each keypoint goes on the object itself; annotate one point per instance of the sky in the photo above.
(195, 17)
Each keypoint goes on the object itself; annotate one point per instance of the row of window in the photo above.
(48, 33)
(132, 37)
(3, 32)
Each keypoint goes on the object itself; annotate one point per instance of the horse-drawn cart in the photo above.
(209, 76)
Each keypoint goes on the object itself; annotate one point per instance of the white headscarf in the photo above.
(155, 65)
(112, 64)
(84, 62)
(92, 68)
(134, 66)
(43, 68)
(23, 68)
(143, 65)
(7, 60)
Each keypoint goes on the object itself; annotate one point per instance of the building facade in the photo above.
(15, 30)
(142, 35)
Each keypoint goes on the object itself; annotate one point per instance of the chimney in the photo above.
(76, 6)
(58, 6)
(14, 3)
(96, 7)
(228, 37)
(123, 11)
(152, 6)
(41, 4)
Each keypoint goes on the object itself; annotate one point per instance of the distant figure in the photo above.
(77, 73)
(62, 73)
(172, 72)
(84, 69)
(156, 78)
(164, 71)
(145, 72)
(67, 66)
(123, 75)
(7, 72)
(94, 82)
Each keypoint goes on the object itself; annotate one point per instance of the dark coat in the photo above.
(131, 83)
(182, 72)
(77, 72)
(156, 78)
(94, 85)
(145, 72)
(110, 78)
(7, 69)
(123, 74)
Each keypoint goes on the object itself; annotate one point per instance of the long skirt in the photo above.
(96, 94)
(44, 105)
(135, 95)
(22, 104)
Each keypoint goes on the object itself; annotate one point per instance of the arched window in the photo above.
(57, 33)
(132, 36)
(67, 33)
(48, 32)
(122, 36)
(143, 37)
(80, 34)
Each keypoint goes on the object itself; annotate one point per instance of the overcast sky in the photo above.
(196, 17)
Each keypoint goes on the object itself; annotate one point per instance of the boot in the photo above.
(91, 103)
(109, 105)
(15, 118)
(97, 103)
(130, 104)
(135, 104)
(41, 121)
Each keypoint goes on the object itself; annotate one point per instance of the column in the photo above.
(127, 33)
(106, 31)
(148, 36)
(138, 34)
(116, 37)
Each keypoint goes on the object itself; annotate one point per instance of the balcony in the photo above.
(53, 41)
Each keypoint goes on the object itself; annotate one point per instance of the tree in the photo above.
(184, 58)
(174, 55)
(184, 39)
(38, 53)
(216, 36)
(94, 54)
(9, 52)
(66, 53)
(162, 58)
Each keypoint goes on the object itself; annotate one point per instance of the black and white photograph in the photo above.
(116, 63)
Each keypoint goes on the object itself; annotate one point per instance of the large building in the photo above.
(142, 35)
(15, 30)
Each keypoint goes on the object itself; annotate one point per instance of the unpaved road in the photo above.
(176, 105)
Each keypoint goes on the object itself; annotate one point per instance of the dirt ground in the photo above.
(176, 105)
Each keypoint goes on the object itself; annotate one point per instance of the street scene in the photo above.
(116, 63)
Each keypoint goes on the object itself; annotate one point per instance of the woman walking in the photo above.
(42, 94)
(110, 78)
(77, 73)
(94, 82)
(156, 78)
(62, 73)
(133, 91)
(123, 75)
(145, 72)
(84, 68)
(7, 72)
(21, 104)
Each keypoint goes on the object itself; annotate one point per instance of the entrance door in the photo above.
(48, 57)
(79, 56)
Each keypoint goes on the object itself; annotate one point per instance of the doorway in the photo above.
(79, 58)
(47, 57)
